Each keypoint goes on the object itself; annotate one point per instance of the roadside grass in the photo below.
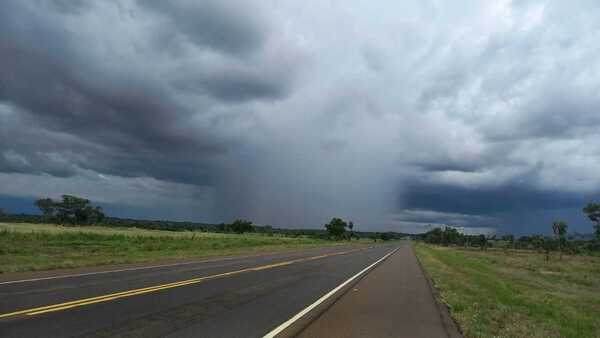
(29, 247)
(516, 294)
(128, 231)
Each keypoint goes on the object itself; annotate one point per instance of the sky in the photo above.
(398, 115)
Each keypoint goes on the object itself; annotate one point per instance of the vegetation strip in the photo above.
(516, 293)
(129, 293)
(31, 247)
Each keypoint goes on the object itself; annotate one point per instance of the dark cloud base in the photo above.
(511, 208)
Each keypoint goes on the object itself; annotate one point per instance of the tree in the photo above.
(450, 236)
(3, 212)
(350, 227)
(375, 236)
(548, 245)
(336, 227)
(483, 241)
(90, 215)
(71, 210)
(386, 236)
(434, 236)
(538, 243)
(509, 241)
(47, 207)
(559, 228)
(593, 213)
(240, 226)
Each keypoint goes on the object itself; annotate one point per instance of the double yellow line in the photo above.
(141, 291)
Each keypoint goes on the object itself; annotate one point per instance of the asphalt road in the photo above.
(239, 297)
(393, 300)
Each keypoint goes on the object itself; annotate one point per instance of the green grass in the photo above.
(28, 247)
(516, 294)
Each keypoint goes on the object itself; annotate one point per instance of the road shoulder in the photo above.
(394, 300)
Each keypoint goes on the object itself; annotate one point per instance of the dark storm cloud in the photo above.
(429, 217)
(487, 200)
(236, 85)
(516, 207)
(37, 163)
(291, 113)
(123, 119)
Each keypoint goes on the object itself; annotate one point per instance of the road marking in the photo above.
(130, 269)
(108, 271)
(140, 291)
(309, 308)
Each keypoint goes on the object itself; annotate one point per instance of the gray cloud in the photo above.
(228, 26)
(126, 116)
(292, 113)
(237, 84)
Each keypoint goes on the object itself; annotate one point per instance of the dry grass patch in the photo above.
(28, 247)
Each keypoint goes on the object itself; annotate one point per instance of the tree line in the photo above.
(559, 240)
(71, 210)
(339, 229)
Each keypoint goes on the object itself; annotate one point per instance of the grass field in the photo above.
(495, 294)
(28, 247)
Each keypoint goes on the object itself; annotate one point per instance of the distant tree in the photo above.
(509, 241)
(483, 242)
(222, 227)
(593, 213)
(375, 236)
(90, 215)
(467, 241)
(240, 226)
(525, 242)
(559, 228)
(386, 236)
(70, 210)
(538, 243)
(336, 227)
(547, 245)
(47, 206)
(509, 238)
(350, 227)
(3, 212)
(434, 236)
(450, 236)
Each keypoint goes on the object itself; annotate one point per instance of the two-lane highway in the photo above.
(232, 297)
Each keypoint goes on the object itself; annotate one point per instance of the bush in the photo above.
(240, 226)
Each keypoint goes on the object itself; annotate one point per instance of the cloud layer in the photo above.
(396, 115)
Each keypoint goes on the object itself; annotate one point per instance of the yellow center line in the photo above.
(141, 291)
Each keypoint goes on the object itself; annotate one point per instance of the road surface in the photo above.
(231, 297)
(393, 300)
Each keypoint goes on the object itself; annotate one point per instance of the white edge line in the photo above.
(309, 308)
